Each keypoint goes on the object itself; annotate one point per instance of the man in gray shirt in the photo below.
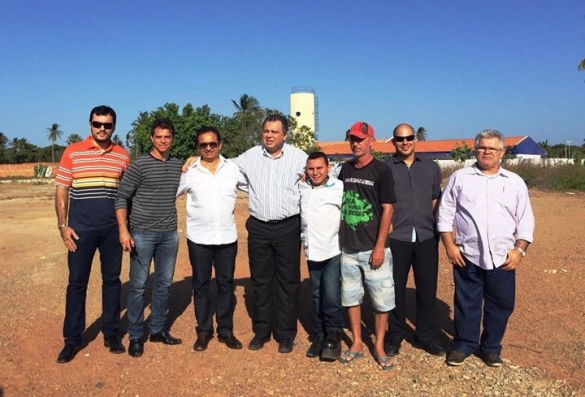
(146, 198)
(414, 241)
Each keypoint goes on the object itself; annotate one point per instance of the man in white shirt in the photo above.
(321, 198)
(211, 185)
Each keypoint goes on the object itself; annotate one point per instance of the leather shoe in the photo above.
(68, 353)
(285, 345)
(316, 346)
(230, 341)
(165, 337)
(136, 347)
(431, 347)
(115, 344)
(332, 347)
(258, 342)
(392, 349)
(202, 342)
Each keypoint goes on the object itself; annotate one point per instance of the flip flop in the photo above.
(384, 362)
(348, 356)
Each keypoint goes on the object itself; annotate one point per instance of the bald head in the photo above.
(404, 128)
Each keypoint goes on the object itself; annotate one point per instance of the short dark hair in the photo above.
(206, 129)
(277, 117)
(318, 155)
(163, 124)
(103, 110)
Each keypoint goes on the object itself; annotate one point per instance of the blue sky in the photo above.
(454, 67)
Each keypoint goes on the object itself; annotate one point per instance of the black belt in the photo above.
(275, 222)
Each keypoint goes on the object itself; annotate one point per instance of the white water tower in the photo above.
(303, 107)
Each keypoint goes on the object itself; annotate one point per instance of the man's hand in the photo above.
(190, 161)
(69, 236)
(513, 260)
(454, 255)
(126, 241)
(377, 258)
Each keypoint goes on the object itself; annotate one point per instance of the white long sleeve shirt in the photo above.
(211, 200)
(320, 217)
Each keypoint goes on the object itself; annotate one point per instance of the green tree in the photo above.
(3, 143)
(581, 65)
(304, 139)
(116, 139)
(421, 134)
(72, 138)
(53, 133)
(249, 115)
(461, 152)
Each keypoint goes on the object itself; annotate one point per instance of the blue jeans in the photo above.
(163, 247)
(325, 279)
(482, 293)
(223, 259)
(108, 243)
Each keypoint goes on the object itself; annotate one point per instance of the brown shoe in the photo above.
(230, 341)
(202, 342)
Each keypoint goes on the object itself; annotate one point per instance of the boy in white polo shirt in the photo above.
(320, 214)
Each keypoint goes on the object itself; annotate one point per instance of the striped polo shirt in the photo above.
(273, 182)
(92, 175)
(148, 191)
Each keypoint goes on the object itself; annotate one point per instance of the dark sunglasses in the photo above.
(97, 125)
(205, 145)
(408, 138)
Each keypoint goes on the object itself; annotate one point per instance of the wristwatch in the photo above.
(522, 252)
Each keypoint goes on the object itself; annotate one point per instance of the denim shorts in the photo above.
(380, 282)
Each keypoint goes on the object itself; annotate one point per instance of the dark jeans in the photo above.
(325, 279)
(163, 247)
(223, 259)
(274, 252)
(475, 287)
(79, 262)
(423, 257)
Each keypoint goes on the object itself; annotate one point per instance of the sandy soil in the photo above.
(544, 345)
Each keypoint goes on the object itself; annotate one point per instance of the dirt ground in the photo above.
(544, 347)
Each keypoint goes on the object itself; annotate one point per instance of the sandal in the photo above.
(348, 356)
(384, 362)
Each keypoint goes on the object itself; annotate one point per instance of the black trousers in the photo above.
(423, 257)
(274, 252)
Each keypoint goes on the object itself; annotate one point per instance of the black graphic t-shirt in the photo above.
(364, 191)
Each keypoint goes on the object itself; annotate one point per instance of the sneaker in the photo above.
(456, 358)
(492, 360)
(316, 346)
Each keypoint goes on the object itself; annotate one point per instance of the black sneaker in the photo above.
(456, 358)
(492, 360)
(316, 346)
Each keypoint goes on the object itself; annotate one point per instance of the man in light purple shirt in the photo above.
(486, 224)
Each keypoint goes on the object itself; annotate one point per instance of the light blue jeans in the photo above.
(163, 248)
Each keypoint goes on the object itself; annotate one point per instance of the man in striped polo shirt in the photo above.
(86, 184)
(147, 219)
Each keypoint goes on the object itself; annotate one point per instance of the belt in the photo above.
(276, 222)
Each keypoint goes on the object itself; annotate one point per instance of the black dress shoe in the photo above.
(165, 337)
(68, 353)
(115, 344)
(431, 347)
(316, 346)
(202, 342)
(136, 347)
(285, 345)
(332, 347)
(392, 349)
(230, 341)
(258, 342)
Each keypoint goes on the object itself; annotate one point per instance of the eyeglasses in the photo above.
(483, 149)
(408, 138)
(97, 125)
(205, 145)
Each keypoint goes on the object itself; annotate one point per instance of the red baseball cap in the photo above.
(361, 130)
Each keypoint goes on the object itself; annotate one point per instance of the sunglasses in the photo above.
(205, 145)
(408, 138)
(97, 125)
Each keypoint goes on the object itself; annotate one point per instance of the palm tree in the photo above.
(581, 65)
(249, 115)
(54, 133)
(421, 134)
(247, 105)
(72, 138)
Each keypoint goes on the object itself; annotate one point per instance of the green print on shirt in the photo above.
(355, 210)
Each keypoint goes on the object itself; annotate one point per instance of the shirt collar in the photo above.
(91, 144)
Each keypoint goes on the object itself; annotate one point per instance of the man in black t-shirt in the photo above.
(366, 214)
